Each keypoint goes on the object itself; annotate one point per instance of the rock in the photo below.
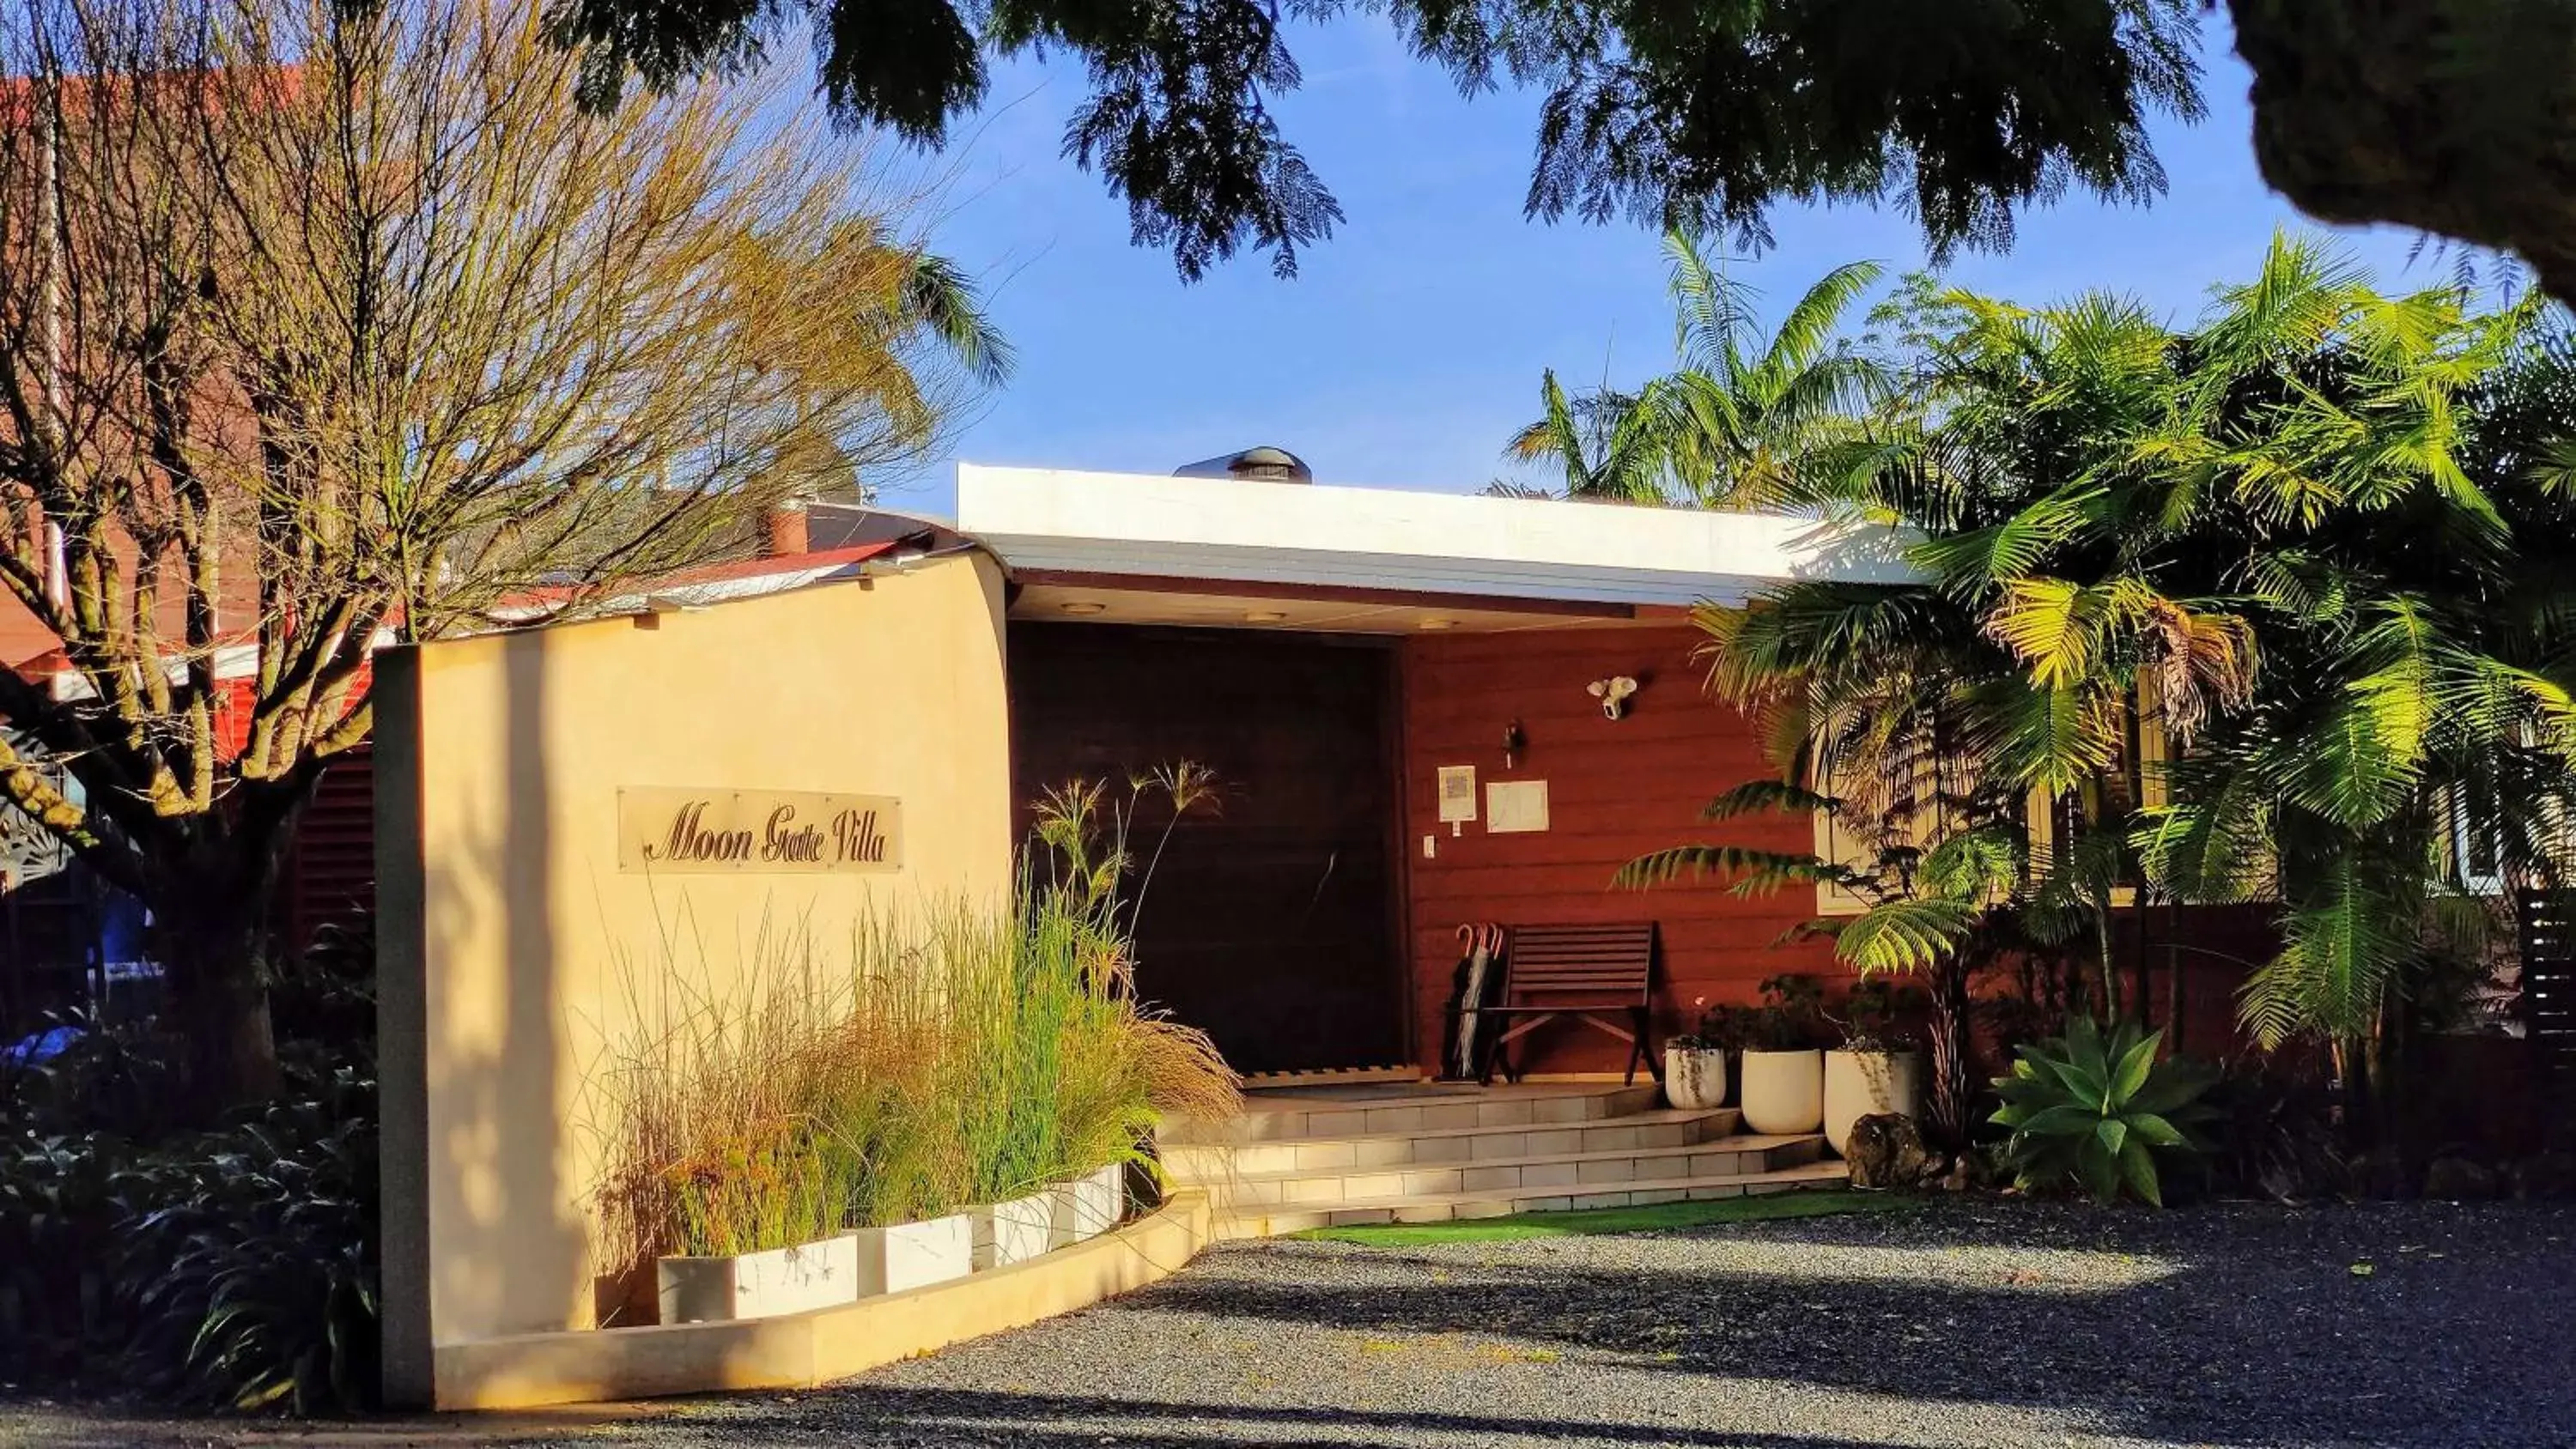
(1885, 1151)
(1936, 1166)
(2550, 1176)
(1960, 1178)
(2452, 1178)
(2378, 1173)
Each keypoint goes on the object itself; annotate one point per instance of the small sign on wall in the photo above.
(1515, 806)
(756, 831)
(1457, 794)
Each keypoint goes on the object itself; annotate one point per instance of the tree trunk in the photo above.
(213, 941)
(2143, 991)
(2175, 997)
(2111, 1008)
(1948, 1109)
(214, 905)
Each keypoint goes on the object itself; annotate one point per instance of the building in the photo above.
(1331, 654)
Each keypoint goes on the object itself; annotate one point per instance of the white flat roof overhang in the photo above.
(1178, 533)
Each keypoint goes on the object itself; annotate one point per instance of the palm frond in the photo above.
(1808, 330)
(939, 297)
(1756, 870)
(1754, 797)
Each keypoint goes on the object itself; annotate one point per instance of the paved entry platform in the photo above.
(1334, 1156)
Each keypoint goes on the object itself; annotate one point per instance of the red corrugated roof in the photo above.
(31, 650)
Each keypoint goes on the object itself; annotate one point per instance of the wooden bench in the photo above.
(1603, 975)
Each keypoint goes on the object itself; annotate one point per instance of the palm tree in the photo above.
(1753, 407)
(1731, 426)
(2323, 540)
(1611, 446)
(2348, 463)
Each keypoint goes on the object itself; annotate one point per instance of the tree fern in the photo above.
(1904, 935)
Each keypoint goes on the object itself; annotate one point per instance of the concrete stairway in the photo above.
(1310, 1157)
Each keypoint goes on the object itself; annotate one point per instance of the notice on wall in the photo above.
(660, 829)
(1515, 806)
(1457, 794)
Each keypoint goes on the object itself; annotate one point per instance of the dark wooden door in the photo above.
(1270, 923)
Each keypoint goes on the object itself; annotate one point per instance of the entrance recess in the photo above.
(1271, 923)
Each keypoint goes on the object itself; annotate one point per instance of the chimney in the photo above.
(783, 530)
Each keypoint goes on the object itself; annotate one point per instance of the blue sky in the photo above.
(1410, 345)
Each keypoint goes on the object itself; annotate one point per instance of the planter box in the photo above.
(1013, 1231)
(914, 1255)
(1695, 1077)
(1860, 1083)
(759, 1285)
(1784, 1092)
(1087, 1206)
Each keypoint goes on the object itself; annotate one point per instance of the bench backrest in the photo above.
(1611, 960)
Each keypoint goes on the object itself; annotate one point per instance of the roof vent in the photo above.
(1267, 465)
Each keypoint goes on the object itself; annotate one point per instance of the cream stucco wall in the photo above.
(511, 942)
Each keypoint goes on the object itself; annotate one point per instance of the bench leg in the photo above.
(1643, 1052)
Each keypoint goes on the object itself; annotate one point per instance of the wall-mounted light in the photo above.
(1513, 743)
(1613, 694)
(1084, 606)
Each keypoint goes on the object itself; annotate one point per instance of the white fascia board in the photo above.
(231, 661)
(1231, 530)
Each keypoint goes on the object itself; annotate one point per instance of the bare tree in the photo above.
(319, 329)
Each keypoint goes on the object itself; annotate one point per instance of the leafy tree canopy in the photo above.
(1699, 115)
(2457, 117)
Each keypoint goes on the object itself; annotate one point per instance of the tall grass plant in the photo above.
(943, 1055)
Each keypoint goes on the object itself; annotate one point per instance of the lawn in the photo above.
(1659, 1217)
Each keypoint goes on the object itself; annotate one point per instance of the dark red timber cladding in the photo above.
(331, 871)
(1616, 789)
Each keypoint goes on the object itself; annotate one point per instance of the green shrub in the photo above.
(2096, 1111)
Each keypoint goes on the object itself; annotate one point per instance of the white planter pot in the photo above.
(1695, 1077)
(914, 1255)
(759, 1285)
(1784, 1092)
(1013, 1231)
(1087, 1206)
(1860, 1083)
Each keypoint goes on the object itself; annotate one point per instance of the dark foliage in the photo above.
(115, 1078)
(2275, 1132)
(1790, 1018)
(1700, 115)
(234, 1266)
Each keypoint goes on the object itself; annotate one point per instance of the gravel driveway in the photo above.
(1969, 1324)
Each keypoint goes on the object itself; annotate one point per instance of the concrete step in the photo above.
(1257, 1222)
(1303, 1113)
(1723, 1157)
(1203, 1162)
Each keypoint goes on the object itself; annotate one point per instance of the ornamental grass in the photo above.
(938, 1057)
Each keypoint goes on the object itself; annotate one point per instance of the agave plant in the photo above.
(2097, 1110)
